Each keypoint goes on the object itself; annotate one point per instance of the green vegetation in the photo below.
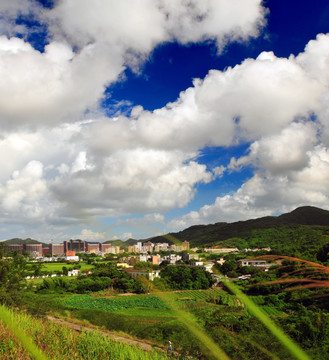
(118, 303)
(182, 277)
(58, 266)
(61, 343)
(300, 233)
(278, 314)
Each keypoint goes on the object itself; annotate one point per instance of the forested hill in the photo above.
(306, 226)
(24, 241)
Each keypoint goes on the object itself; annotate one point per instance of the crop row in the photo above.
(271, 310)
(199, 294)
(88, 302)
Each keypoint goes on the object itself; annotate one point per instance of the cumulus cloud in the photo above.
(128, 181)
(128, 23)
(10, 10)
(266, 194)
(67, 167)
(23, 193)
(149, 161)
(59, 84)
(283, 152)
(258, 98)
(89, 235)
(48, 88)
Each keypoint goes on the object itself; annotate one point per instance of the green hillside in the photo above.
(303, 230)
(122, 244)
(24, 241)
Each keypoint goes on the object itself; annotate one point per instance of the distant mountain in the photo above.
(122, 244)
(306, 215)
(308, 225)
(24, 241)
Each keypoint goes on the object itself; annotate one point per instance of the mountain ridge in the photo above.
(207, 235)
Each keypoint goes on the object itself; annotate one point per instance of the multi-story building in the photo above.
(143, 258)
(156, 259)
(70, 253)
(105, 248)
(221, 250)
(187, 256)
(33, 249)
(13, 247)
(57, 249)
(92, 248)
(75, 245)
(132, 249)
(186, 245)
(147, 247)
(46, 251)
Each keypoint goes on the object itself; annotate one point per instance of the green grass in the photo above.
(53, 267)
(114, 304)
(148, 312)
(40, 280)
(61, 343)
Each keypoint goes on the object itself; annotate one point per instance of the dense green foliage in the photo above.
(183, 277)
(103, 276)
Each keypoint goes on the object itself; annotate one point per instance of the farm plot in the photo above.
(199, 294)
(115, 304)
(199, 298)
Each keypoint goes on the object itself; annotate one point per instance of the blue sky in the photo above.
(131, 119)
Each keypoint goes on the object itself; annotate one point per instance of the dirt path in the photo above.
(145, 346)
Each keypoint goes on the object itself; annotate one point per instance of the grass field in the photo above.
(40, 280)
(53, 267)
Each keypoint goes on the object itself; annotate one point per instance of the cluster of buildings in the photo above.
(32, 249)
(217, 250)
(149, 247)
(157, 259)
(67, 248)
(71, 247)
(82, 246)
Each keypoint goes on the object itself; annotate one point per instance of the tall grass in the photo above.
(284, 339)
(59, 342)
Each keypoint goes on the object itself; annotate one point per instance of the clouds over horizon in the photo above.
(70, 163)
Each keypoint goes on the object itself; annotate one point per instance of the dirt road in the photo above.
(145, 346)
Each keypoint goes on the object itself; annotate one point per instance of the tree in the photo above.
(228, 266)
(322, 254)
(183, 277)
(141, 265)
(37, 269)
(12, 279)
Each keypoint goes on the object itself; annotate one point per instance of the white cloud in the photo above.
(125, 236)
(283, 152)
(128, 23)
(267, 194)
(59, 169)
(60, 85)
(89, 235)
(129, 181)
(10, 10)
(146, 220)
(266, 95)
(23, 194)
